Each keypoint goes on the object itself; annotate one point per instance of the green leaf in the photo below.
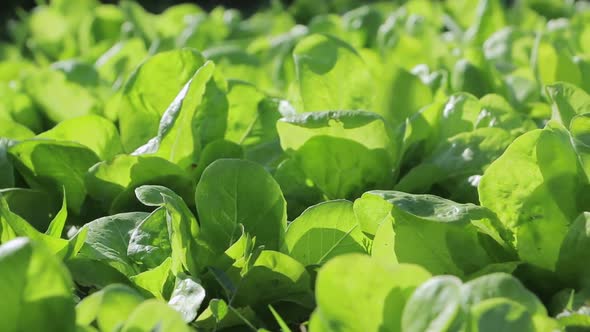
(299, 192)
(490, 16)
(324, 231)
(119, 61)
(54, 166)
(325, 67)
(154, 315)
(183, 228)
(574, 247)
(461, 159)
(60, 96)
(195, 117)
(155, 282)
(20, 201)
(12, 130)
(233, 192)
(141, 20)
(496, 300)
(57, 224)
(252, 115)
(150, 90)
(282, 277)
(18, 106)
(554, 64)
(20, 227)
(343, 153)
(108, 240)
(112, 183)
(415, 94)
(380, 293)
(501, 315)
(497, 285)
(444, 228)
(149, 244)
(435, 306)
(567, 101)
(92, 131)
(110, 307)
(219, 149)
(36, 289)
(95, 274)
(533, 188)
(218, 308)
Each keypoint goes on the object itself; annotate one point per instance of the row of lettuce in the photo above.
(399, 167)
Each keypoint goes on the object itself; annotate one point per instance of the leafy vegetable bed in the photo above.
(397, 167)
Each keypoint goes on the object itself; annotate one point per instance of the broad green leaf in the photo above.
(236, 63)
(555, 64)
(13, 130)
(498, 285)
(533, 188)
(52, 43)
(59, 96)
(99, 30)
(154, 315)
(282, 277)
(141, 21)
(343, 153)
(173, 20)
(219, 149)
(150, 90)
(324, 231)
(573, 250)
(298, 191)
(204, 30)
(20, 201)
(108, 240)
(110, 307)
(496, 300)
(567, 101)
(55, 165)
(154, 282)
(251, 117)
(436, 305)
(36, 289)
(218, 308)
(182, 225)
(95, 274)
(112, 183)
(92, 131)
(195, 117)
(490, 16)
(463, 158)
(500, 315)
(380, 293)
(116, 63)
(233, 192)
(16, 226)
(18, 106)
(149, 244)
(325, 67)
(444, 228)
(219, 315)
(398, 82)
